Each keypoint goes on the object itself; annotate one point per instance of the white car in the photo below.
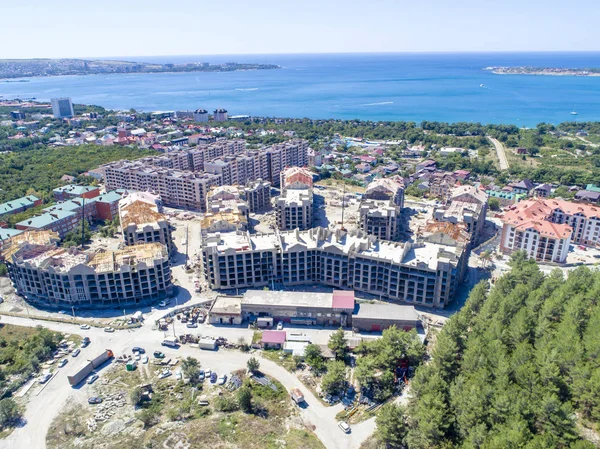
(138, 356)
(164, 373)
(76, 352)
(162, 304)
(280, 326)
(109, 329)
(344, 426)
(222, 379)
(178, 375)
(145, 359)
(62, 363)
(93, 379)
(84, 327)
(45, 378)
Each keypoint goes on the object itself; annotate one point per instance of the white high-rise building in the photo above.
(62, 107)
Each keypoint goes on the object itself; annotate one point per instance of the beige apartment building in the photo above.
(425, 273)
(380, 208)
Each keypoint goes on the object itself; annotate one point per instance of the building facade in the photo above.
(425, 273)
(62, 107)
(68, 277)
(380, 208)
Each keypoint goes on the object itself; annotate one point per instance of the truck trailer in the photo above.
(85, 371)
(209, 344)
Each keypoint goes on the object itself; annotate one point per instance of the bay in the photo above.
(403, 86)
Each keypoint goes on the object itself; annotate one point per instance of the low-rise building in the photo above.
(226, 310)
(73, 191)
(19, 205)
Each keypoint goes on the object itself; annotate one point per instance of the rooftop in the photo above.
(231, 305)
(139, 213)
(288, 299)
(74, 189)
(11, 206)
(275, 337)
(385, 312)
(46, 219)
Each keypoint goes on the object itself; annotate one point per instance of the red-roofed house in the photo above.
(273, 339)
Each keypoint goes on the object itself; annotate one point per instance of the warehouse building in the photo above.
(378, 317)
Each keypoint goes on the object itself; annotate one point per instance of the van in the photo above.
(171, 342)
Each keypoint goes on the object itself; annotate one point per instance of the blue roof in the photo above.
(9, 232)
(592, 188)
(45, 219)
(108, 197)
(10, 206)
(75, 190)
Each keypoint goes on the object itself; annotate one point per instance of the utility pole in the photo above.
(73, 310)
(174, 326)
(82, 221)
(187, 243)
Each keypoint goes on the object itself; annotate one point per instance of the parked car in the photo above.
(138, 357)
(76, 352)
(94, 400)
(159, 355)
(201, 375)
(145, 359)
(344, 426)
(85, 342)
(162, 304)
(93, 379)
(62, 363)
(178, 375)
(45, 378)
(164, 373)
(140, 350)
(222, 379)
(109, 329)
(191, 325)
(203, 402)
(280, 326)
(213, 377)
(85, 327)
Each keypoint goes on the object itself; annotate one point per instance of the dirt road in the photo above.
(500, 152)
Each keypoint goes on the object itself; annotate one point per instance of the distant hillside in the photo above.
(19, 68)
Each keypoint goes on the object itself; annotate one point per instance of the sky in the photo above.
(68, 28)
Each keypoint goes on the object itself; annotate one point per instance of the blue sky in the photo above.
(67, 28)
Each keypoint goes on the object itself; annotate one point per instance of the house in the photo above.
(68, 178)
(587, 196)
(542, 191)
(462, 174)
(521, 150)
(524, 186)
(363, 168)
(273, 339)
(428, 163)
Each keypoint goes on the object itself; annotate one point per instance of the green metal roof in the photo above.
(11, 206)
(46, 219)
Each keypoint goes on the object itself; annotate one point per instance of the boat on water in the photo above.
(481, 85)
(573, 112)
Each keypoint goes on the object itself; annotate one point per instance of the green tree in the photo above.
(191, 369)
(313, 357)
(253, 364)
(494, 203)
(334, 380)
(391, 426)
(244, 397)
(338, 344)
(10, 412)
(136, 396)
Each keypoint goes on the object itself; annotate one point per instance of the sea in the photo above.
(447, 87)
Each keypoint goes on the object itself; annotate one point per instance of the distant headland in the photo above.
(548, 71)
(20, 68)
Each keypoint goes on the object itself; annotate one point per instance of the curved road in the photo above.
(500, 152)
(43, 407)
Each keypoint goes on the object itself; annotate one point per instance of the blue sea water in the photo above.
(404, 86)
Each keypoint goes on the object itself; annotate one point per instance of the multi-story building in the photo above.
(440, 184)
(67, 192)
(142, 220)
(224, 163)
(19, 205)
(62, 107)
(201, 115)
(58, 277)
(177, 188)
(258, 195)
(466, 205)
(294, 208)
(425, 273)
(380, 208)
(546, 227)
(220, 115)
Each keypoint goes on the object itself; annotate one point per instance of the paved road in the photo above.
(42, 408)
(500, 152)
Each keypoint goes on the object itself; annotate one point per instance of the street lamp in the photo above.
(73, 310)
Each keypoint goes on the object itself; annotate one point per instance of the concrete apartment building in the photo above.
(62, 107)
(142, 220)
(294, 208)
(546, 227)
(177, 188)
(63, 277)
(425, 273)
(380, 208)
(220, 115)
(466, 205)
(440, 184)
(200, 116)
(258, 195)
